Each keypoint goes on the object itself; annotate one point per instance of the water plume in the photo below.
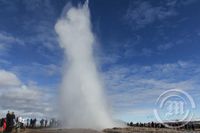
(82, 100)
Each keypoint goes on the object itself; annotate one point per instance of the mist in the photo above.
(83, 103)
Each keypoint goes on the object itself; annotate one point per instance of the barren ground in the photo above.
(114, 130)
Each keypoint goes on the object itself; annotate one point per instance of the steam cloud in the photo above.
(83, 103)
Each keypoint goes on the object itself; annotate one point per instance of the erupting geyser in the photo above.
(83, 103)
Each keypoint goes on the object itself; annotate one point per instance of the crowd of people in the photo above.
(11, 122)
(43, 123)
(176, 125)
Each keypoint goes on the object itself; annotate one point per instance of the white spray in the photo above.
(83, 103)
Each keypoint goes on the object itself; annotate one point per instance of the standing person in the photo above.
(31, 123)
(1, 125)
(41, 122)
(4, 124)
(8, 122)
(27, 123)
(12, 121)
(46, 121)
(34, 123)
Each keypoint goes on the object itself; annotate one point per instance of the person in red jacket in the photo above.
(4, 124)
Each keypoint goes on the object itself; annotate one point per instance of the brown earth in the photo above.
(146, 130)
(61, 131)
(113, 130)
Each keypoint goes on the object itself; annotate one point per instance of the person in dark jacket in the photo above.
(8, 122)
(12, 119)
(46, 121)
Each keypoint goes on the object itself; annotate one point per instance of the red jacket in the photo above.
(4, 124)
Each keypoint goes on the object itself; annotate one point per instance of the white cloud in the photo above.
(186, 2)
(141, 112)
(140, 14)
(165, 46)
(27, 100)
(41, 35)
(128, 87)
(44, 35)
(4, 62)
(37, 69)
(7, 41)
(8, 79)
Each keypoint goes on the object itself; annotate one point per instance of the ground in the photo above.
(146, 130)
(113, 130)
(61, 131)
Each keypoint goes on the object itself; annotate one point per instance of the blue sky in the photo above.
(143, 48)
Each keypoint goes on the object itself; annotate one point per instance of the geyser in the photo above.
(82, 100)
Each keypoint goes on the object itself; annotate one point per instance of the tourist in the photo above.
(8, 122)
(34, 123)
(41, 122)
(12, 119)
(46, 121)
(27, 123)
(3, 124)
(31, 123)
